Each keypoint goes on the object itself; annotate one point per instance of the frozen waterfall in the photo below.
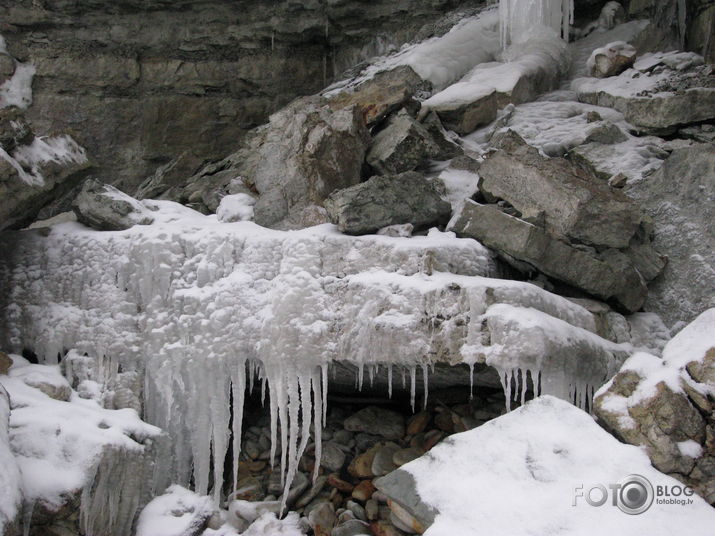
(204, 309)
(519, 19)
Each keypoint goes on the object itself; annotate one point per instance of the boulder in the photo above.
(382, 94)
(293, 163)
(403, 145)
(473, 482)
(570, 201)
(34, 171)
(105, 208)
(387, 200)
(680, 198)
(612, 278)
(666, 405)
(464, 115)
(611, 60)
(660, 94)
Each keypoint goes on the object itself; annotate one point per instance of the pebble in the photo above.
(251, 449)
(249, 489)
(372, 509)
(336, 482)
(382, 462)
(379, 421)
(352, 527)
(384, 528)
(313, 492)
(361, 466)
(357, 510)
(418, 422)
(300, 483)
(322, 519)
(403, 456)
(363, 491)
(332, 457)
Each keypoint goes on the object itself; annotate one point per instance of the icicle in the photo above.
(425, 381)
(524, 383)
(324, 389)
(238, 391)
(361, 375)
(413, 381)
(273, 405)
(471, 381)
(251, 376)
(389, 381)
(316, 385)
(404, 379)
(372, 370)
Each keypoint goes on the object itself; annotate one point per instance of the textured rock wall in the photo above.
(139, 83)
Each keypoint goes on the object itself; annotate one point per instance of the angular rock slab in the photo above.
(667, 405)
(570, 201)
(531, 462)
(387, 200)
(609, 279)
(403, 145)
(382, 94)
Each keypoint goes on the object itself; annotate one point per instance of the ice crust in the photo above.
(204, 308)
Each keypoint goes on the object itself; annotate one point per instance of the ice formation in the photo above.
(204, 308)
(519, 18)
(10, 479)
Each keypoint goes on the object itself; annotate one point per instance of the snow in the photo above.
(178, 512)
(60, 446)
(441, 60)
(236, 207)
(690, 448)
(10, 478)
(17, 90)
(459, 185)
(518, 474)
(541, 56)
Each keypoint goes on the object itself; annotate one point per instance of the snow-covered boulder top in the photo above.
(518, 475)
(192, 301)
(11, 496)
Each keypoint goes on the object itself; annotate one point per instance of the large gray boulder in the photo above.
(465, 115)
(294, 162)
(105, 208)
(403, 145)
(36, 171)
(387, 200)
(570, 201)
(680, 198)
(609, 277)
(666, 405)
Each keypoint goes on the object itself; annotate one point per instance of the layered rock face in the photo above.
(144, 84)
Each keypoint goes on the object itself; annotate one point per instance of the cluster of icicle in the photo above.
(519, 18)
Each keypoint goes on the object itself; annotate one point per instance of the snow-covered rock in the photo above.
(75, 450)
(527, 472)
(660, 93)
(666, 405)
(611, 60)
(103, 207)
(34, 170)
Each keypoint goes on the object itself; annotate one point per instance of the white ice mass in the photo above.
(202, 307)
